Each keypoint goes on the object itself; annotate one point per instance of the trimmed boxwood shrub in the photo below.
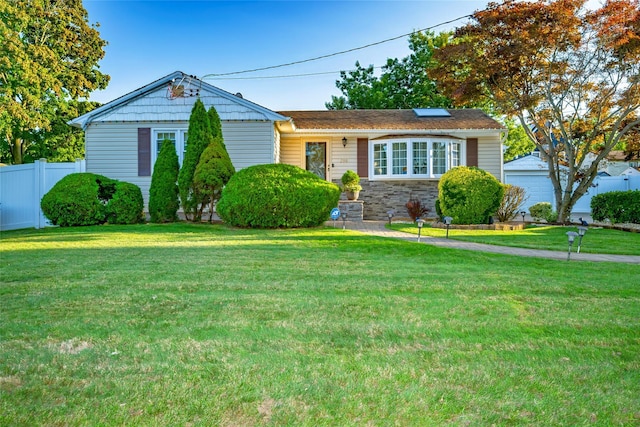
(126, 206)
(277, 195)
(90, 199)
(543, 210)
(617, 206)
(469, 195)
(74, 200)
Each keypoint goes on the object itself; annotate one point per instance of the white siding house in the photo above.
(122, 140)
(122, 137)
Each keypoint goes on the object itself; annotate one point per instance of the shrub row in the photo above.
(90, 199)
(617, 206)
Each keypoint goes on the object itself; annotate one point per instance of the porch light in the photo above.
(582, 230)
(344, 142)
(420, 223)
(447, 221)
(390, 215)
(571, 235)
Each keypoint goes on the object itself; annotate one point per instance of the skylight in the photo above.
(431, 112)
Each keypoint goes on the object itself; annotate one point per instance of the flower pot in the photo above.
(352, 195)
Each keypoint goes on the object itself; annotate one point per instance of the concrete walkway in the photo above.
(377, 228)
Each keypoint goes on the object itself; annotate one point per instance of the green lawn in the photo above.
(208, 326)
(553, 238)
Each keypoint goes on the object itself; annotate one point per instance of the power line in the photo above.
(335, 53)
(320, 73)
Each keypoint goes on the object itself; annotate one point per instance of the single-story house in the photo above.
(397, 153)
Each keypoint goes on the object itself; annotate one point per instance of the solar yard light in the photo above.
(420, 223)
(582, 230)
(344, 219)
(390, 215)
(447, 221)
(571, 235)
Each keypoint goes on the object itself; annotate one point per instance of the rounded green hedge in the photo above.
(469, 195)
(275, 196)
(90, 199)
(126, 206)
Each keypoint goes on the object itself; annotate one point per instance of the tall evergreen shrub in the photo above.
(163, 193)
(216, 124)
(214, 168)
(200, 135)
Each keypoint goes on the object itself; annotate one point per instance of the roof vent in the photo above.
(431, 112)
(239, 95)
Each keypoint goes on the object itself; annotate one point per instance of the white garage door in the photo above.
(537, 187)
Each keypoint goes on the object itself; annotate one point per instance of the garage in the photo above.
(530, 173)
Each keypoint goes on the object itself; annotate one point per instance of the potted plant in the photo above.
(351, 185)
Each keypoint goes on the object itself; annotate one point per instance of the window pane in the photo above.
(420, 160)
(399, 156)
(455, 154)
(379, 159)
(439, 157)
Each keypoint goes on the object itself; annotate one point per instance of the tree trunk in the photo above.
(17, 151)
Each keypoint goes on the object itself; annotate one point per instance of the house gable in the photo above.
(171, 99)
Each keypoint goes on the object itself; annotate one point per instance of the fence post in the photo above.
(81, 165)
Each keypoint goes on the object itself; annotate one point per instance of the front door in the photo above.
(316, 155)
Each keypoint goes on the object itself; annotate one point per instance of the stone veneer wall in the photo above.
(381, 196)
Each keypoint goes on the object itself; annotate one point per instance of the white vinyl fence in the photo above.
(606, 184)
(22, 188)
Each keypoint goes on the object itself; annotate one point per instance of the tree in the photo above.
(48, 57)
(200, 136)
(402, 84)
(517, 143)
(163, 192)
(569, 75)
(214, 168)
(60, 142)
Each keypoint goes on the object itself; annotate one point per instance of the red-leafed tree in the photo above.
(570, 75)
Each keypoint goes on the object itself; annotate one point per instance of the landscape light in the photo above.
(447, 221)
(571, 235)
(390, 215)
(420, 223)
(344, 219)
(582, 230)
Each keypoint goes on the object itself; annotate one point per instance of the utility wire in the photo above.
(335, 53)
(320, 73)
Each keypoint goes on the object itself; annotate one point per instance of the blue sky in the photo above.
(150, 39)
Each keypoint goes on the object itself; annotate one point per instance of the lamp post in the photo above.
(420, 223)
(571, 235)
(447, 221)
(582, 230)
(344, 219)
(390, 215)
(523, 213)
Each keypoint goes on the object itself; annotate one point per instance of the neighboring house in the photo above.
(531, 173)
(398, 153)
(614, 164)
